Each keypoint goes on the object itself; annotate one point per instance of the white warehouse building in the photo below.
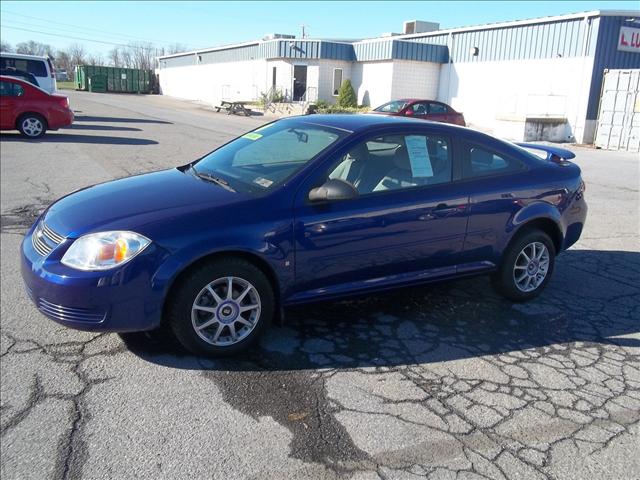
(537, 79)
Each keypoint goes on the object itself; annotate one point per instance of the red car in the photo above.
(30, 109)
(424, 109)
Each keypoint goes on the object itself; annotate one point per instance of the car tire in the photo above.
(209, 321)
(32, 125)
(526, 267)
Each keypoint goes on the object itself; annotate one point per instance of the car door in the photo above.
(10, 94)
(438, 112)
(417, 110)
(407, 222)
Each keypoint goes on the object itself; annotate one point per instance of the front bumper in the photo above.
(119, 300)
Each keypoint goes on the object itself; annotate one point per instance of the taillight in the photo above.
(64, 101)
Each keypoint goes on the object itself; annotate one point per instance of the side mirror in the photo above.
(333, 189)
(409, 112)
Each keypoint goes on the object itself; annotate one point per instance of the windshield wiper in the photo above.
(213, 179)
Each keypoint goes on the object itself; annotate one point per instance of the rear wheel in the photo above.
(32, 125)
(526, 267)
(221, 308)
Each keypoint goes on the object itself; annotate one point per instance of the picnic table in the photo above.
(234, 106)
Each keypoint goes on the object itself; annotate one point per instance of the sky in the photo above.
(100, 26)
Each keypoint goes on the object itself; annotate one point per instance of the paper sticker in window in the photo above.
(418, 156)
(252, 136)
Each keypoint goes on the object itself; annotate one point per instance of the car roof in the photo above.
(363, 121)
(22, 55)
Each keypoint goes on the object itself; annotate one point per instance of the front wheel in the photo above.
(526, 267)
(32, 125)
(221, 308)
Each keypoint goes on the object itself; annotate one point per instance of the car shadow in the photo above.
(77, 126)
(593, 297)
(92, 118)
(71, 138)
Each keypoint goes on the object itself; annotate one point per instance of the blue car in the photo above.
(300, 210)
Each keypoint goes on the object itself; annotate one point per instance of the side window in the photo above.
(8, 89)
(394, 162)
(437, 109)
(337, 81)
(34, 67)
(480, 162)
(419, 109)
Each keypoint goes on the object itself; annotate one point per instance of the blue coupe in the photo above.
(300, 210)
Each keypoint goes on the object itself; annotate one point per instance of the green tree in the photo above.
(346, 95)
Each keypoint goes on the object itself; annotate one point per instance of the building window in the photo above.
(273, 77)
(337, 80)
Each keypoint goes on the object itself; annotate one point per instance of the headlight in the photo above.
(104, 250)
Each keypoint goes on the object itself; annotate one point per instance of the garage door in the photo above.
(619, 116)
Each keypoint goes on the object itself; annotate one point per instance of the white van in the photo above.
(40, 67)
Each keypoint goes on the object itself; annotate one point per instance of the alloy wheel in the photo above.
(531, 267)
(226, 311)
(32, 126)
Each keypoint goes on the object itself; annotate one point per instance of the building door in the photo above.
(619, 115)
(299, 82)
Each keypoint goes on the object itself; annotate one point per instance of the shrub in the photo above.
(338, 109)
(347, 96)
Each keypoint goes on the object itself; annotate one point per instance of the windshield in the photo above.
(266, 157)
(391, 107)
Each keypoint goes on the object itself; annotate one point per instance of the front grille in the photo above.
(58, 312)
(44, 239)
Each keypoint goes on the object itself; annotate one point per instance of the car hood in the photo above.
(136, 202)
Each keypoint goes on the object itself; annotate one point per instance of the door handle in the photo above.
(444, 209)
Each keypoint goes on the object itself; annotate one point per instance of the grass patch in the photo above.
(66, 85)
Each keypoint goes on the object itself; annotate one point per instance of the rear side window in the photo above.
(437, 108)
(34, 67)
(480, 162)
(8, 89)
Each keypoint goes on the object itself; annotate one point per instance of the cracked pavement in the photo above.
(445, 381)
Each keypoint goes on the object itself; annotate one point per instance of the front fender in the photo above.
(277, 256)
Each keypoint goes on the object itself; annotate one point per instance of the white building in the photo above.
(529, 79)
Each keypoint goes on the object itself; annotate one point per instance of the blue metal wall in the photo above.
(385, 49)
(544, 40)
(607, 56)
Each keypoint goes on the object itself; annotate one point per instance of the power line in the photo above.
(77, 27)
(79, 38)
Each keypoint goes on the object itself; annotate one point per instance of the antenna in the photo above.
(303, 27)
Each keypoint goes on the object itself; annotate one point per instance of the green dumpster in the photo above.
(116, 79)
(98, 83)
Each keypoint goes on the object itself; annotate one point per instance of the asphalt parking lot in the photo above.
(442, 382)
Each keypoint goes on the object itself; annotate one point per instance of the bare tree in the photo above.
(77, 54)
(176, 48)
(115, 58)
(63, 61)
(95, 59)
(142, 55)
(34, 48)
(5, 47)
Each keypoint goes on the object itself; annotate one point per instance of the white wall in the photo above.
(498, 96)
(415, 79)
(372, 82)
(325, 80)
(213, 82)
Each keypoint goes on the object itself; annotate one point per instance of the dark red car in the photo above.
(30, 109)
(424, 109)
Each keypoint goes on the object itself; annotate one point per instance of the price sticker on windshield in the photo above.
(418, 156)
(252, 136)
